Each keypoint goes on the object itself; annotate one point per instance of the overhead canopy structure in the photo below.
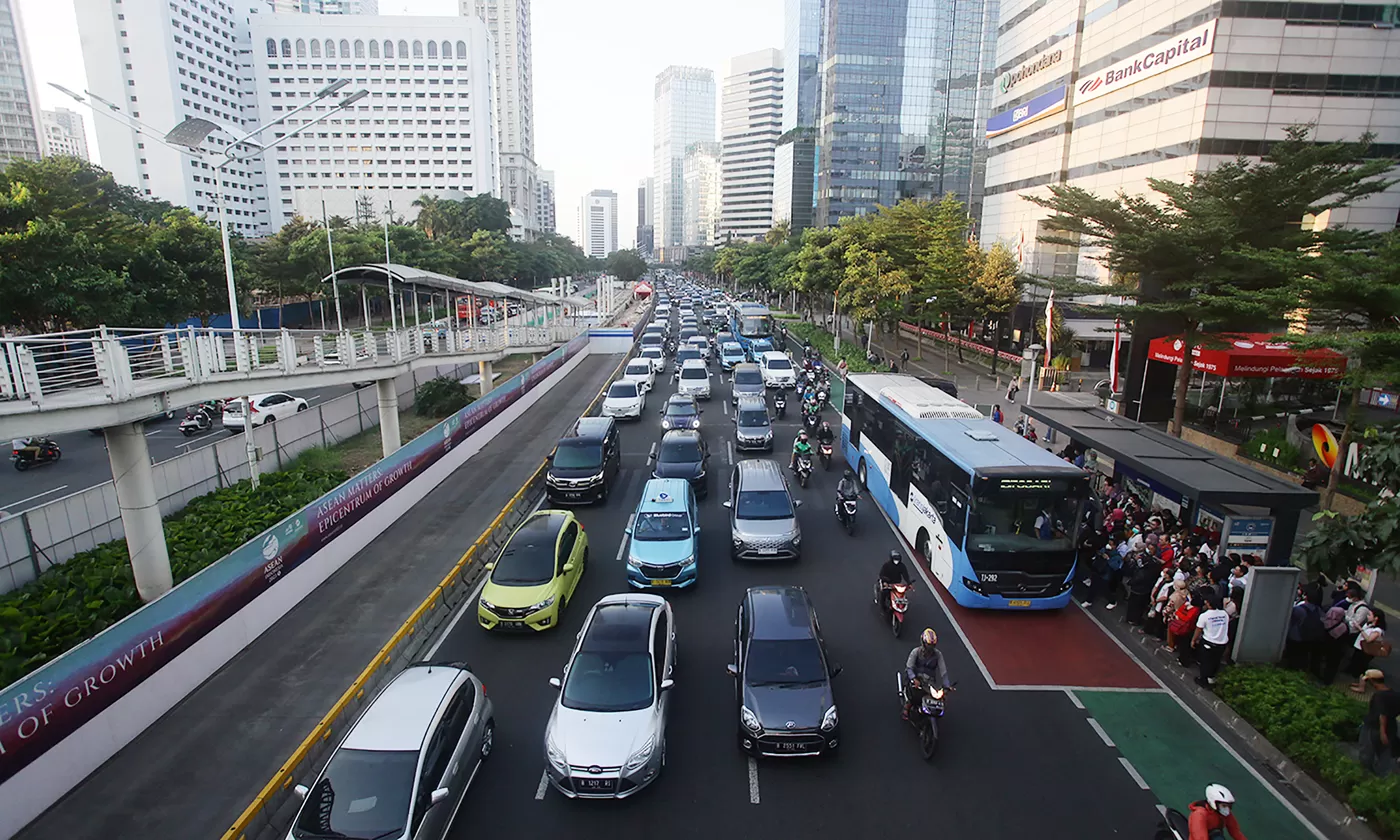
(378, 275)
(501, 290)
(1251, 355)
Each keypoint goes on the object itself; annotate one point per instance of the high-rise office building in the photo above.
(19, 104)
(424, 128)
(64, 133)
(905, 92)
(645, 240)
(545, 214)
(751, 118)
(701, 182)
(683, 113)
(324, 7)
(164, 74)
(597, 220)
(509, 24)
(794, 159)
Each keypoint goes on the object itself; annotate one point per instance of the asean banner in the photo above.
(1159, 58)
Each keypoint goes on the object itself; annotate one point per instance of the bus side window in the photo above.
(901, 460)
(955, 518)
(856, 412)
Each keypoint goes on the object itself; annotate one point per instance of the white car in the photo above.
(694, 380)
(266, 409)
(655, 356)
(625, 399)
(701, 343)
(640, 371)
(777, 370)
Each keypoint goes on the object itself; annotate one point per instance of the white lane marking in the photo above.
(156, 432)
(1216, 735)
(725, 403)
(622, 544)
(38, 495)
(729, 447)
(544, 785)
(1108, 742)
(1074, 698)
(753, 781)
(1132, 771)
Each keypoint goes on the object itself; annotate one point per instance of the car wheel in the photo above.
(302, 407)
(270, 418)
(488, 739)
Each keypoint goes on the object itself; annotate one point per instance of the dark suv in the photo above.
(782, 675)
(584, 463)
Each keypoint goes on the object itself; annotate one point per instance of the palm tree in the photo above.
(432, 215)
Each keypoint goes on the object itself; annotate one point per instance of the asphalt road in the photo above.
(1014, 763)
(84, 462)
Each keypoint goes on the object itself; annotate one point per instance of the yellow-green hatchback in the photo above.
(535, 575)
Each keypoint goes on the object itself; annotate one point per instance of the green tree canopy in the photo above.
(626, 265)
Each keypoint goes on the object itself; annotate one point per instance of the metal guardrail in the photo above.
(109, 365)
(275, 805)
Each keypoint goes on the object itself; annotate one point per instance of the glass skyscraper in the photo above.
(683, 112)
(905, 90)
(794, 178)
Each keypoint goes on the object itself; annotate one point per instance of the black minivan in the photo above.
(584, 463)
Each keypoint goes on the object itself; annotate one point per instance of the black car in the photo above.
(680, 412)
(682, 454)
(584, 463)
(782, 675)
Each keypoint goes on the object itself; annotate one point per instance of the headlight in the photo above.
(487, 605)
(797, 538)
(738, 543)
(749, 719)
(829, 720)
(542, 605)
(687, 560)
(937, 693)
(640, 757)
(665, 422)
(634, 561)
(555, 756)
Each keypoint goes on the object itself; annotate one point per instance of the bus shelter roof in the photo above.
(378, 274)
(1193, 471)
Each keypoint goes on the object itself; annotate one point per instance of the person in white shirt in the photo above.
(1212, 635)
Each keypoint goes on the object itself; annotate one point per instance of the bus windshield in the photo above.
(1024, 519)
(755, 326)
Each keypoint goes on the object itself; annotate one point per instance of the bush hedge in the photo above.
(1310, 724)
(76, 600)
(825, 344)
(441, 396)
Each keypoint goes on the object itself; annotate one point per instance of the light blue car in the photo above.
(731, 353)
(665, 536)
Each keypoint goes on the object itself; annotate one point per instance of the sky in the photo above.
(595, 64)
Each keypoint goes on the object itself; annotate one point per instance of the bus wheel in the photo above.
(860, 474)
(921, 546)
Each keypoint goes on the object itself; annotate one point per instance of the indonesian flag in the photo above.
(1049, 324)
(1021, 249)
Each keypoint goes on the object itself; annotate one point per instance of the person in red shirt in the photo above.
(1213, 816)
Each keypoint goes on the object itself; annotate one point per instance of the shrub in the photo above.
(76, 600)
(441, 396)
(1261, 448)
(822, 340)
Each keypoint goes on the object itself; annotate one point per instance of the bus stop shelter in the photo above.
(1253, 510)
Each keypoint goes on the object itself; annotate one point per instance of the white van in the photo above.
(777, 370)
(694, 380)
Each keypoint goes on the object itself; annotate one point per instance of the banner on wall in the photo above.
(45, 707)
(1051, 102)
(1158, 58)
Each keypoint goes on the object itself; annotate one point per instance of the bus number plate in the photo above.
(1018, 603)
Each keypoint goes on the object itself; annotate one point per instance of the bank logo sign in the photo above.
(1011, 78)
(1050, 102)
(1182, 49)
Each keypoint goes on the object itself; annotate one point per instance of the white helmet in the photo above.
(1220, 799)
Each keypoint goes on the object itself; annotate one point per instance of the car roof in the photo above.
(759, 474)
(630, 383)
(732, 345)
(674, 491)
(683, 435)
(769, 354)
(635, 361)
(752, 401)
(680, 398)
(652, 349)
(593, 428)
(693, 363)
(621, 624)
(400, 716)
(780, 613)
(541, 527)
(745, 366)
(700, 338)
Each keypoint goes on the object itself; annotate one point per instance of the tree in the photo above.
(996, 289)
(1338, 545)
(817, 268)
(1189, 256)
(873, 287)
(945, 260)
(626, 265)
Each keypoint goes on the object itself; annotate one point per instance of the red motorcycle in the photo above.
(894, 604)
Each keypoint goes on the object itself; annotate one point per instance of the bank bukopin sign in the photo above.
(1050, 102)
(1011, 78)
(1159, 58)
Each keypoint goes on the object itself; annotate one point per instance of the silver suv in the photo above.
(762, 513)
(406, 764)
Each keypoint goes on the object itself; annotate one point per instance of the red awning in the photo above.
(641, 290)
(1251, 354)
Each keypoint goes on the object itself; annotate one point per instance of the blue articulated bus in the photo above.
(752, 325)
(996, 517)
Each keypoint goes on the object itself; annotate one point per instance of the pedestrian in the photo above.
(1343, 623)
(1181, 615)
(904, 357)
(1212, 635)
(1141, 572)
(1304, 648)
(1378, 729)
(1370, 643)
(894, 366)
(1012, 389)
(1316, 475)
(842, 367)
(997, 416)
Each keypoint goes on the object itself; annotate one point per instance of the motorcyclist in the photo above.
(801, 446)
(925, 662)
(1212, 817)
(847, 488)
(892, 572)
(825, 434)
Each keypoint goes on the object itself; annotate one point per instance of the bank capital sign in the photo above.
(1159, 58)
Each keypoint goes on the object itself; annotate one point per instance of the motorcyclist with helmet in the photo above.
(847, 488)
(925, 662)
(892, 572)
(1213, 817)
(801, 446)
(825, 434)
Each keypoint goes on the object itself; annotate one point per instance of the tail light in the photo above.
(252, 407)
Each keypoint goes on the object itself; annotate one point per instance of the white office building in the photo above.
(683, 113)
(162, 61)
(701, 180)
(20, 132)
(324, 7)
(508, 21)
(545, 213)
(426, 126)
(64, 133)
(1132, 91)
(751, 119)
(597, 220)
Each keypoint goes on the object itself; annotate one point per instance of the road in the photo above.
(84, 463)
(1036, 745)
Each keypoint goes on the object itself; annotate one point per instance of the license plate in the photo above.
(788, 746)
(768, 551)
(593, 784)
(511, 625)
(655, 582)
(1019, 603)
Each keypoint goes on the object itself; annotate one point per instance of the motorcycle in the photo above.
(821, 396)
(893, 600)
(925, 710)
(47, 452)
(1174, 825)
(197, 421)
(804, 469)
(780, 403)
(811, 421)
(846, 512)
(825, 450)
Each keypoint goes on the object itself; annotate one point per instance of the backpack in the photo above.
(1312, 628)
(1335, 622)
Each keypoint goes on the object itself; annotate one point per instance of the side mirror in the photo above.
(667, 685)
(727, 503)
(555, 681)
(836, 670)
(439, 795)
(797, 503)
(732, 669)
(651, 456)
(568, 567)
(302, 791)
(491, 565)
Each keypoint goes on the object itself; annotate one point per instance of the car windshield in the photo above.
(748, 377)
(661, 525)
(362, 794)
(686, 354)
(528, 559)
(753, 417)
(756, 326)
(641, 369)
(694, 373)
(779, 363)
(684, 451)
(651, 338)
(732, 349)
(605, 681)
(784, 662)
(623, 390)
(764, 504)
(681, 409)
(578, 456)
